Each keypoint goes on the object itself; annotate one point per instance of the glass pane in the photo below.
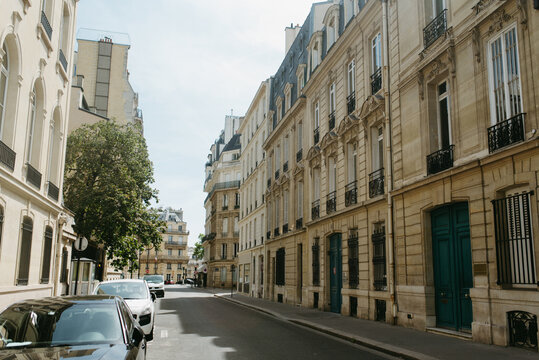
(513, 81)
(85, 271)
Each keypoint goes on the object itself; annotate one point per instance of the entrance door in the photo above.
(452, 260)
(335, 272)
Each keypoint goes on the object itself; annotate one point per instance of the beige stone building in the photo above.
(172, 257)
(222, 204)
(36, 46)
(252, 222)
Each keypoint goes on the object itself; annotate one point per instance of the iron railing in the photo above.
(376, 183)
(379, 258)
(316, 263)
(223, 185)
(316, 136)
(376, 81)
(52, 191)
(7, 156)
(299, 223)
(33, 176)
(315, 210)
(331, 202)
(350, 193)
(285, 228)
(353, 262)
(62, 59)
(46, 24)
(332, 120)
(351, 103)
(436, 28)
(440, 160)
(522, 329)
(299, 155)
(505, 133)
(285, 167)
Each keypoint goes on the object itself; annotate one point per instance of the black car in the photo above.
(89, 327)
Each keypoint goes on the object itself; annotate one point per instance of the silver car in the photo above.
(137, 296)
(156, 284)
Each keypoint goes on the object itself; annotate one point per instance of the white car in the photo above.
(156, 284)
(137, 296)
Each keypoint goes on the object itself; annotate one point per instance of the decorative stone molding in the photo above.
(522, 6)
(499, 18)
(476, 43)
(437, 67)
(25, 5)
(421, 84)
(482, 4)
(370, 105)
(329, 143)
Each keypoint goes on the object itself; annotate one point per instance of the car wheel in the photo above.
(149, 337)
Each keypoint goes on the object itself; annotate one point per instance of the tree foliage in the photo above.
(108, 177)
(198, 252)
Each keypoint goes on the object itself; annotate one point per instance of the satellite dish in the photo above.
(81, 244)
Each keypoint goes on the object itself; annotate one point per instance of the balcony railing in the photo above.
(315, 210)
(376, 81)
(435, 29)
(505, 133)
(331, 202)
(276, 174)
(351, 102)
(46, 24)
(52, 191)
(285, 228)
(299, 155)
(332, 120)
(299, 223)
(316, 136)
(62, 59)
(440, 160)
(376, 183)
(285, 167)
(276, 231)
(33, 176)
(7, 156)
(350, 193)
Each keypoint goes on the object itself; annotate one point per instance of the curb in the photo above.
(358, 340)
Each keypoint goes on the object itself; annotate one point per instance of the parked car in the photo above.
(137, 296)
(156, 284)
(85, 327)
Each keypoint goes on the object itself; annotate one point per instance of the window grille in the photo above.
(316, 262)
(24, 255)
(353, 262)
(47, 249)
(379, 256)
(280, 267)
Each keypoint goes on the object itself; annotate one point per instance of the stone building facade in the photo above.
(36, 47)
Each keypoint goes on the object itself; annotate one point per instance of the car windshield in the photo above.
(154, 279)
(60, 324)
(126, 289)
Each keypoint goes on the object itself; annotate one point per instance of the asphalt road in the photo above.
(193, 324)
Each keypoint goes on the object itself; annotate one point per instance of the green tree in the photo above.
(198, 252)
(108, 177)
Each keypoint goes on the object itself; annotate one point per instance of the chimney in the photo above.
(290, 33)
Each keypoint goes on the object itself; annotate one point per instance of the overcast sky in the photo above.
(192, 61)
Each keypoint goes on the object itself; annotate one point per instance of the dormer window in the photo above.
(331, 21)
(315, 55)
(348, 11)
(300, 74)
(330, 33)
(287, 97)
(279, 107)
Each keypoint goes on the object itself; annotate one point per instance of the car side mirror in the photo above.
(154, 297)
(138, 335)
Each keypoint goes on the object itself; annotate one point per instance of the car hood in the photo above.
(137, 305)
(87, 352)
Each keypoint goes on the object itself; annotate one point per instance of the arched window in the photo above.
(47, 250)
(53, 160)
(64, 36)
(9, 90)
(24, 251)
(4, 76)
(35, 125)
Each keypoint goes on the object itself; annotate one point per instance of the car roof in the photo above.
(60, 302)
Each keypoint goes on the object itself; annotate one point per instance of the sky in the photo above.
(193, 62)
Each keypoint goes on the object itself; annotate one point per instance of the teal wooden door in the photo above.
(452, 260)
(335, 269)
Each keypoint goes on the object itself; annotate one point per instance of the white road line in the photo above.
(164, 334)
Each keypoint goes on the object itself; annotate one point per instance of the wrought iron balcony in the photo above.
(376, 183)
(351, 102)
(276, 231)
(276, 174)
(33, 176)
(62, 59)
(299, 155)
(440, 160)
(350, 193)
(331, 202)
(316, 136)
(7, 156)
(315, 210)
(332, 120)
(46, 24)
(285, 228)
(436, 28)
(376, 81)
(285, 167)
(52, 191)
(505, 133)
(299, 223)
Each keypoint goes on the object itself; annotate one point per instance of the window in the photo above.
(332, 173)
(63, 274)
(169, 267)
(47, 250)
(332, 98)
(377, 148)
(169, 252)
(444, 127)
(348, 10)
(24, 251)
(352, 162)
(277, 161)
(514, 241)
(285, 153)
(236, 249)
(316, 262)
(280, 267)
(179, 252)
(170, 238)
(64, 37)
(376, 64)
(315, 54)
(351, 77)
(236, 225)
(4, 77)
(316, 122)
(353, 259)
(331, 33)
(237, 200)
(277, 211)
(379, 256)
(504, 77)
(299, 133)
(285, 207)
(223, 251)
(169, 227)
(54, 149)
(31, 128)
(179, 267)
(225, 227)
(299, 197)
(223, 274)
(180, 228)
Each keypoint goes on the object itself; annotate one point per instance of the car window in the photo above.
(126, 313)
(126, 289)
(155, 279)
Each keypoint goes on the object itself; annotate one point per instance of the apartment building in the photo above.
(172, 257)
(36, 46)
(252, 223)
(222, 204)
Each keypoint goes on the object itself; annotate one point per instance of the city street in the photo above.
(193, 324)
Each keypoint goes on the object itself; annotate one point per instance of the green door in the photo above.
(335, 272)
(452, 260)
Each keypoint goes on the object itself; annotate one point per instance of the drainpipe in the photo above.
(389, 157)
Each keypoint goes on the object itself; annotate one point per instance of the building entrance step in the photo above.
(448, 332)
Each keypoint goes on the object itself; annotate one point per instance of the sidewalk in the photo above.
(394, 340)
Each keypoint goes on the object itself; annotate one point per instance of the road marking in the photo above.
(164, 334)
